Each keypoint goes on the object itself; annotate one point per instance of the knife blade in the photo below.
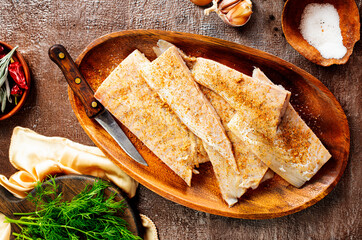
(106, 120)
(93, 108)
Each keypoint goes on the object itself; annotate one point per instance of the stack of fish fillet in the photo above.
(188, 114)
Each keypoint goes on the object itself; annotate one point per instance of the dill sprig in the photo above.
(88, 216)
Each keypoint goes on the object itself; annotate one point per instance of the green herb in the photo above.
(88, 216)
(4, 82)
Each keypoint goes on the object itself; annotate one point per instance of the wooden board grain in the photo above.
(69, 186)
(314, 102)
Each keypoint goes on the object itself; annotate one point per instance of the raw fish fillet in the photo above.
(296, 153)
(261, 104)
(128, 97)
(252, 170)
(169, 76)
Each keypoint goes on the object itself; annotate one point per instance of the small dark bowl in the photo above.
(17, 57)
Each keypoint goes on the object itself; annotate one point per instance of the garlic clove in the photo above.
(240, 14)
(233, 12)
(201, 2)
(226, 5)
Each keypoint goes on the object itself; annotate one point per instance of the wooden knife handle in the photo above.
(76, 81)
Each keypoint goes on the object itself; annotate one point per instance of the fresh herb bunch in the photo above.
(4, 82)
(88, 216)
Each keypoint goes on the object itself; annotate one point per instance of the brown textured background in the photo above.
(36, 25)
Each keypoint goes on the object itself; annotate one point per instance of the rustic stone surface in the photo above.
(36, 25)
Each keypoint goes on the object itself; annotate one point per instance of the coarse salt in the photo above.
(319, 26)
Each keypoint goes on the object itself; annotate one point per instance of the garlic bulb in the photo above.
(201, 2)
(233, 12)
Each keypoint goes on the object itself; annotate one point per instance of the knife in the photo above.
(93, 108)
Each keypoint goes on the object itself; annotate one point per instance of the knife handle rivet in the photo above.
(77, 80)
(94, 104)
(61, 55)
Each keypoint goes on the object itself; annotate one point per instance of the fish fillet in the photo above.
(261, 104)
(295, 153)
(128, 97)
(252, 170)
(169, 76)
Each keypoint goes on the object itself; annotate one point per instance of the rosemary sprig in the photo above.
(88, 216)
(4, 82)
(2, 99)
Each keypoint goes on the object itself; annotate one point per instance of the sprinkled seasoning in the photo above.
(320, 27)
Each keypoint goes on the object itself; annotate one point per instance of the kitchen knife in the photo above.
(93, 108)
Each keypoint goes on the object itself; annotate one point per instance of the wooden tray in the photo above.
(275, 198)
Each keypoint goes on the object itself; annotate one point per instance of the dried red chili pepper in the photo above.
(17, 73)
(16, 91)
(2, 52)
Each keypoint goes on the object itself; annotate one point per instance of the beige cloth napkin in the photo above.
(37, 156)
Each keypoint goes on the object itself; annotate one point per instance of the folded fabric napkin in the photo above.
(37, 156)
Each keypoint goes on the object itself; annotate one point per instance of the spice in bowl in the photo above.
(12, 80)
(319, 26)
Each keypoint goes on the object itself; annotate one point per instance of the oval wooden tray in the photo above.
(275, 198)
(70, 186)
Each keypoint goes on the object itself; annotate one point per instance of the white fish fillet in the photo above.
(252, 170)
(261, 104)
(229, 181)
(169, 76)
(295, 153)
(161, 47)
(128, 97)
